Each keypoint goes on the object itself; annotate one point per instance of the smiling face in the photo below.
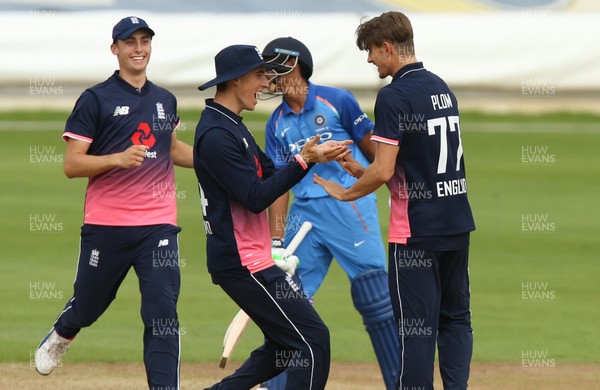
(249, 86)
(379, 56)
(133, 53)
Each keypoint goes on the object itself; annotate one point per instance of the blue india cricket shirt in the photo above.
(331, 112)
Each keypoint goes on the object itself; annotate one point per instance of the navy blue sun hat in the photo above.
(235, 61)
(127, 26)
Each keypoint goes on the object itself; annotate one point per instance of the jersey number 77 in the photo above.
(443, 123)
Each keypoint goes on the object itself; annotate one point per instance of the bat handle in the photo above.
(302, 232)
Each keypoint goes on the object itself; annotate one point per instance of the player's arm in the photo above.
(277, 215)
(223, 160)
(357, 124)
(353, 167)
(78, 163)
(379, 172)
(367, 146)
(181, 153)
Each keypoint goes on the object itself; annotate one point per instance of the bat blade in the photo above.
(233, 334)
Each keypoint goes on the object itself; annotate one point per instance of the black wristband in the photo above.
(276, 243)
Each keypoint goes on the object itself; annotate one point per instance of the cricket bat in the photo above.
(240, 321)
(233, 334)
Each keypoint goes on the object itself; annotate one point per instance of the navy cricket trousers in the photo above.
(106, 255)
(295, 336)
(431, 300)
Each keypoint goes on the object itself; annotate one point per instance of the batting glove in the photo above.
(286, 263)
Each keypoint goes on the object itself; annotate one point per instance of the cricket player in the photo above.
(347, 231)
(237, 182)
(121, 136)
(420, 155)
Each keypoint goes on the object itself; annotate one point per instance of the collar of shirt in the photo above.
(130, 88)
(212, 105)
(309, 103)
(407, 69)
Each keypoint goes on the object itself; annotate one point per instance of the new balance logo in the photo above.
(164, 242)
(94, 257)
(121, 110)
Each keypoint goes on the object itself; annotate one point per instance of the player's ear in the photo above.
(388, 47)
(114, 48)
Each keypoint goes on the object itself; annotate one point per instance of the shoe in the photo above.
(50, 351)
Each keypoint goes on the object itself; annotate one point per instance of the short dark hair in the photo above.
(221, 87)
(305, 71)
(392, 26)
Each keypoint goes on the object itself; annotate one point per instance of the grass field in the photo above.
(533, 185)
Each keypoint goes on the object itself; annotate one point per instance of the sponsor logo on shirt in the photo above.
(143, 135)
(360, 119)
(121, 110)
(297, 146)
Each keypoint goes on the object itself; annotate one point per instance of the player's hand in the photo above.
(286, 263)
(132, 157)
(277, 247)
(334, 189)
(327, 151)
(350, 165)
